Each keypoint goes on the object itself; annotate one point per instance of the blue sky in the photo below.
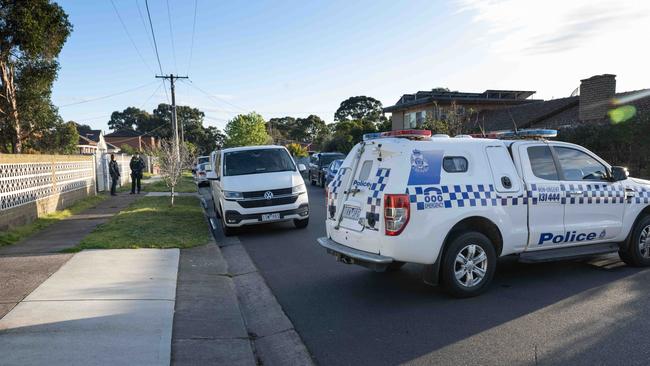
(298, 58)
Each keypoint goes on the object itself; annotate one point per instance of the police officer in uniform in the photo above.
(114, 172)
(137, 166)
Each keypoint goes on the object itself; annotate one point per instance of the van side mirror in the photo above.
(619, 173)
(212, 176)
(302, 167)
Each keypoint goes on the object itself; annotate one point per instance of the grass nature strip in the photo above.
(19, 233)
(151, 222)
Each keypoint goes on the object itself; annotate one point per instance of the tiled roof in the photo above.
(524, 115)
(554, 113)
(86, 141)
(488, 96)
(93, 135)
(125, 133)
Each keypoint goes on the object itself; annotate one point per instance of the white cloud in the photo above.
(550, 45)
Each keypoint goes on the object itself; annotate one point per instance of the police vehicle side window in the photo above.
(541, 161)
(365, 170)
(578, 165)
(454, 164)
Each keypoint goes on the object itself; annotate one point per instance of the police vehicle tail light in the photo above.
(397, 209)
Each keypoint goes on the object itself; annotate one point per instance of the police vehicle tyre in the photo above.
(395, 266)
(468, 265)
(637, 252)
(301, 224)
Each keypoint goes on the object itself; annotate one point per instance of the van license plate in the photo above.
(271, 217)
(351, 212)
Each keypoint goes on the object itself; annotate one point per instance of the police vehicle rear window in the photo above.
(541, 161)
(454, 164)
(256, 162)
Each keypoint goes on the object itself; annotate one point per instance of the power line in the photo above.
(129, 35)
(216, 98)
(171, 37)
(155, 44)
(144, 25)
(189, 64)
(151, 96)
(153, 34)
(107, 96)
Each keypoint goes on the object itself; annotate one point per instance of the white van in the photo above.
(257, 184)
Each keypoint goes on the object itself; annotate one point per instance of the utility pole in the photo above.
(171, 78)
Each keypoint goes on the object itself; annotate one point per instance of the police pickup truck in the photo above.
(456, 204)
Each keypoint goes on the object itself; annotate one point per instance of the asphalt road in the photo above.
(587, 312)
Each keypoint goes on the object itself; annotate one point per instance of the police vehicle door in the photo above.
(354, 206)
(543, 195)
(594, 205)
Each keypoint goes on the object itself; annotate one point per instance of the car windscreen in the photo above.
(326, 159)
(257, 161)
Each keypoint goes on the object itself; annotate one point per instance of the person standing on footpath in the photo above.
(137, 166)
(114, 172)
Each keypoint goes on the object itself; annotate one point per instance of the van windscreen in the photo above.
(257, 161)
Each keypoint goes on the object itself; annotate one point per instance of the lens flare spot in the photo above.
(621, 114)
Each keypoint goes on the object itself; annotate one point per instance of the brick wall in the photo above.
(35, 185)
(595, 96)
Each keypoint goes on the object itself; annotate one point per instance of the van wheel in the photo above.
(216, 211)
(301, 224)
(227, 230)
(395, 266)
(637, 252)
(468, 265)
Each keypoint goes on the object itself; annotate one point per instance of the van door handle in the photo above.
(576, 193)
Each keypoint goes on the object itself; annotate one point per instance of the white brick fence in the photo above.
(34, 185)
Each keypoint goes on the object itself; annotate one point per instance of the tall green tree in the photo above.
(246, 130)
(59, 138)
(129, 119)
(307, 129)
(358, 108)
(32, 34)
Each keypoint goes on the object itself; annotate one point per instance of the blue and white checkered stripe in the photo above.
(375, 193)
(480, 195)
(641, 195)
(596, 193)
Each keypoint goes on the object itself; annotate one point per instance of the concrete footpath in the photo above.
(103, 307)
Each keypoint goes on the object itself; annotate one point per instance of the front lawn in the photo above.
(151, 222)
(19, 233)
(186, 184)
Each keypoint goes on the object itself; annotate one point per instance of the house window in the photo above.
(414, 119)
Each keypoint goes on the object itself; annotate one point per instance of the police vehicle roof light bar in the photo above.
(519, 134)
(410, 134)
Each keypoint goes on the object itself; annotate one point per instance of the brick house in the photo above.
(596, 97)
(137, 140)
(411, 110)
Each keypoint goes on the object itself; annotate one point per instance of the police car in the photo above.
(456, 204)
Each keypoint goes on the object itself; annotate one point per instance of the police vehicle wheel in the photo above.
(637, 253)
(395, 266)
(301, 224)
(468, 265)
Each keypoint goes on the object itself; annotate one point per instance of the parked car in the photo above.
(258, 184)
(457, 204)
(331, 171)
(200, 177)
(318, 164)
(200, 160)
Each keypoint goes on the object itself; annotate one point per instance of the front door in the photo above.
(594, 205)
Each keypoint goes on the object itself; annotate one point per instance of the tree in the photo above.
(82, 129)
(60, 138)
(359, 107)
(171, 167)
(297, 150)
(32, 34)
(307, 129)
(129, 119)
(246, 130)
(347, 134)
